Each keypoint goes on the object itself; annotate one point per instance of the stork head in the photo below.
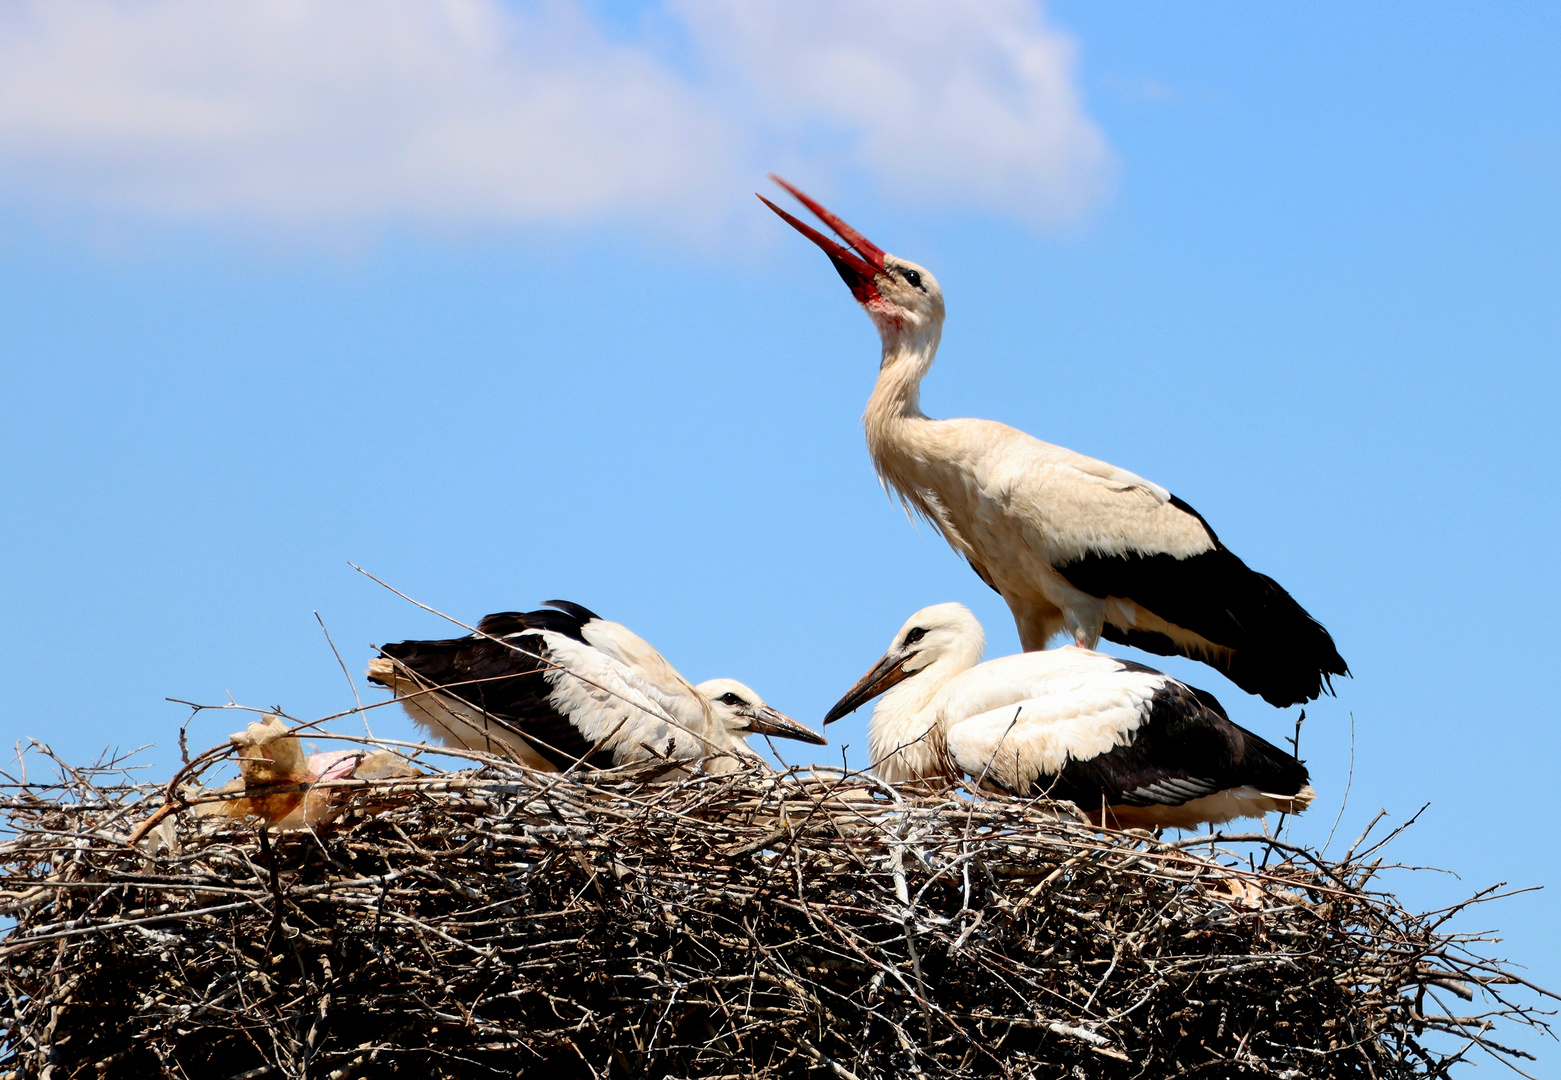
(941, 632)
(740, 711)
(902, 298)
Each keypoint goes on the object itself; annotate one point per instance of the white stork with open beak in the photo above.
(553, 688)
(1124, 743)
(1071, 543)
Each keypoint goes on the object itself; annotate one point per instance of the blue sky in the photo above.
(262, 314)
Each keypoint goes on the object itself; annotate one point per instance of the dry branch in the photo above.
(501, 922)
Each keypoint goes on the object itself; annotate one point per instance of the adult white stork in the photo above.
(1116, 738)
(556, 687)
(1072, 544)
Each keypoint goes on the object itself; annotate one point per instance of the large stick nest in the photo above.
(496, 921)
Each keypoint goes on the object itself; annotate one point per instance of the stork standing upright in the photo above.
(1071, 543)
(1120, 740)
(557, 687)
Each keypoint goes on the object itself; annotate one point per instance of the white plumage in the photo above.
(556, 687)
(1074, 545)
(1114, 737)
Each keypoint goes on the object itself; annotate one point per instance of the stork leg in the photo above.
(1037, 623)
(1085, 622)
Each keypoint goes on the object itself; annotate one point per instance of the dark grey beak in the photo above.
(885, 673)
(763, 720)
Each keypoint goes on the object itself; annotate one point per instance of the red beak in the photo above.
(857, 265)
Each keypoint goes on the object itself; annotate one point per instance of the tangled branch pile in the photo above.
(496, 921)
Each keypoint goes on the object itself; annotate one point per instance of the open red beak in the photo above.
(858, 265)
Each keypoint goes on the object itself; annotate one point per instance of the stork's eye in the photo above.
(915, 635)
(912, 277)
(730, 698)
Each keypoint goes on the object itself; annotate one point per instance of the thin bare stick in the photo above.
(351, 682)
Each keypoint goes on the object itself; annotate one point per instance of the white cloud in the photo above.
(305, 112)
(958, 102)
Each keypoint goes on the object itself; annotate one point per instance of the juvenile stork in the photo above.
(1124, 743)
(555, 687)
(1071, 543)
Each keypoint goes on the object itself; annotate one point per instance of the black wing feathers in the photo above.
(574, 611)
(507, 679)
(1185, 750)
(1279, 651)
(568, 623)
